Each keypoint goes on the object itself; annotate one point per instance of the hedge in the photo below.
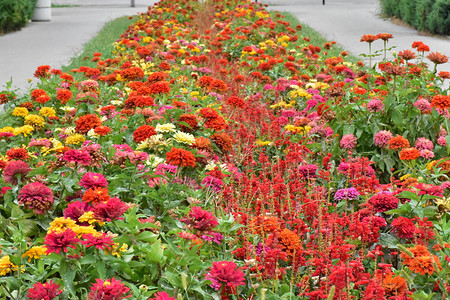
(428, 15)
(15, 14)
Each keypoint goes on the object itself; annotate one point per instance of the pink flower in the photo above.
(200, 219)
(348, 141)
(212, 182)
(426, 154)
(36, 196)
(441, 141)
(375, 105)
(423, 105)
(46, 291)
(57, 241)
(77, 156)
(424, 144)
(100, 242)
(225, 276)
(110, 289)
(15, 169)
(91, 180)
(382, 138)
(110, 210)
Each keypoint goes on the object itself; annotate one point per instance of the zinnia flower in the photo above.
(161, 296)
(77, 156)
(91, 180)
(409, 153)
(423, 105)
(346, 194)
(200, 219)
(101, 241)
(143, 132)
(225, 276)
(236, 101)
(180, 157)
(375, 105)
(441, 102)
(398, 142)
(96, 195)
(403, 227)
(60, 241)
(348, 141)
(75, 210)
(421, 261)
(223, 141)
(437, 58)
(87, 122)
(110, 210)
(6, 266)
(423, 144)
(382, 138)
(110, 289)
(36, 196)
(383, 202)
(46, 291)
(191, 122)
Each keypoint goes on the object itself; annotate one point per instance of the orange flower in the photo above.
(190, 120)
(385, 36)
(102, 130)
(143, 132)
(223, 141)
(290, 242)
(440, 101)
(421, 261)
(64, 95)
(87, 122)
(40, 96)
(394, 285)
(96, 195)
(202, 143)
(437, 58)
(369, 38)
(398, 142)
(264, 224)
(409, 153)
(180, 157)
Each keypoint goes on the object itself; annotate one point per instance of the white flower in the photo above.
(91, 133)
(168, 127)
(184, 138)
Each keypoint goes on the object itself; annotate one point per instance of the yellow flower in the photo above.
(20, 112)
(81, 230)
(25, 130)
(34, 120)
(6, 266)
(7, 129)
(184, 138)
(47, 112)
(168, 127)
(61, 224)
(298, 129)
(35, 252)
(75, 139)
(90, 218)
(263, 143)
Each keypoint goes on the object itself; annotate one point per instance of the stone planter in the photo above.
(43, 11)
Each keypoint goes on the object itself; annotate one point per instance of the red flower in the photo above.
(90, 180)
(160, 87)
(57, 241)
(75, 210)
(46, 291)
(110, 289)
(64, 95)
(102, 130)
(384, 202)
(403, 227)
(36, 196)
(40, 96)
(209, 113)
(162, 296)
(191, 120)
(110, 210)
(200, 219)
(437, 58)
(236, 101)
(13, 169)
(143, 132)
(407, 54)
(17, 153)
(225, 276)
(42, 71)
(180, 157)
(87, 122)
(223, 141)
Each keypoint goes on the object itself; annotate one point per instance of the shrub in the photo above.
(423, 9)
(15, 14)
(438, 20)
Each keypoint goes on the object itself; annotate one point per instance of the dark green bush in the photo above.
(15, 14)
(428, 15)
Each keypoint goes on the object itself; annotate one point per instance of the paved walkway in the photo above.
(54, 43)
(345, 21)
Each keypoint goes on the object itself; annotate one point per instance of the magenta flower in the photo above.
(375, 105)
(225, 276)
(46, 291)
(91, 180)
(200, 219)
(36, 196)
(15, 169)
(100, 242)
(162, 296)
(110, 210)
(75, 210)
(57, 241)
(110, 289)
(77, 156)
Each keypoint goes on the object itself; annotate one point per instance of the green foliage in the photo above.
(429, 15)
(15, 14)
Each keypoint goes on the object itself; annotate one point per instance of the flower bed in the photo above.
(219, 155)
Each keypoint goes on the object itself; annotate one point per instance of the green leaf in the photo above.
(156, 252)
(388, 240)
